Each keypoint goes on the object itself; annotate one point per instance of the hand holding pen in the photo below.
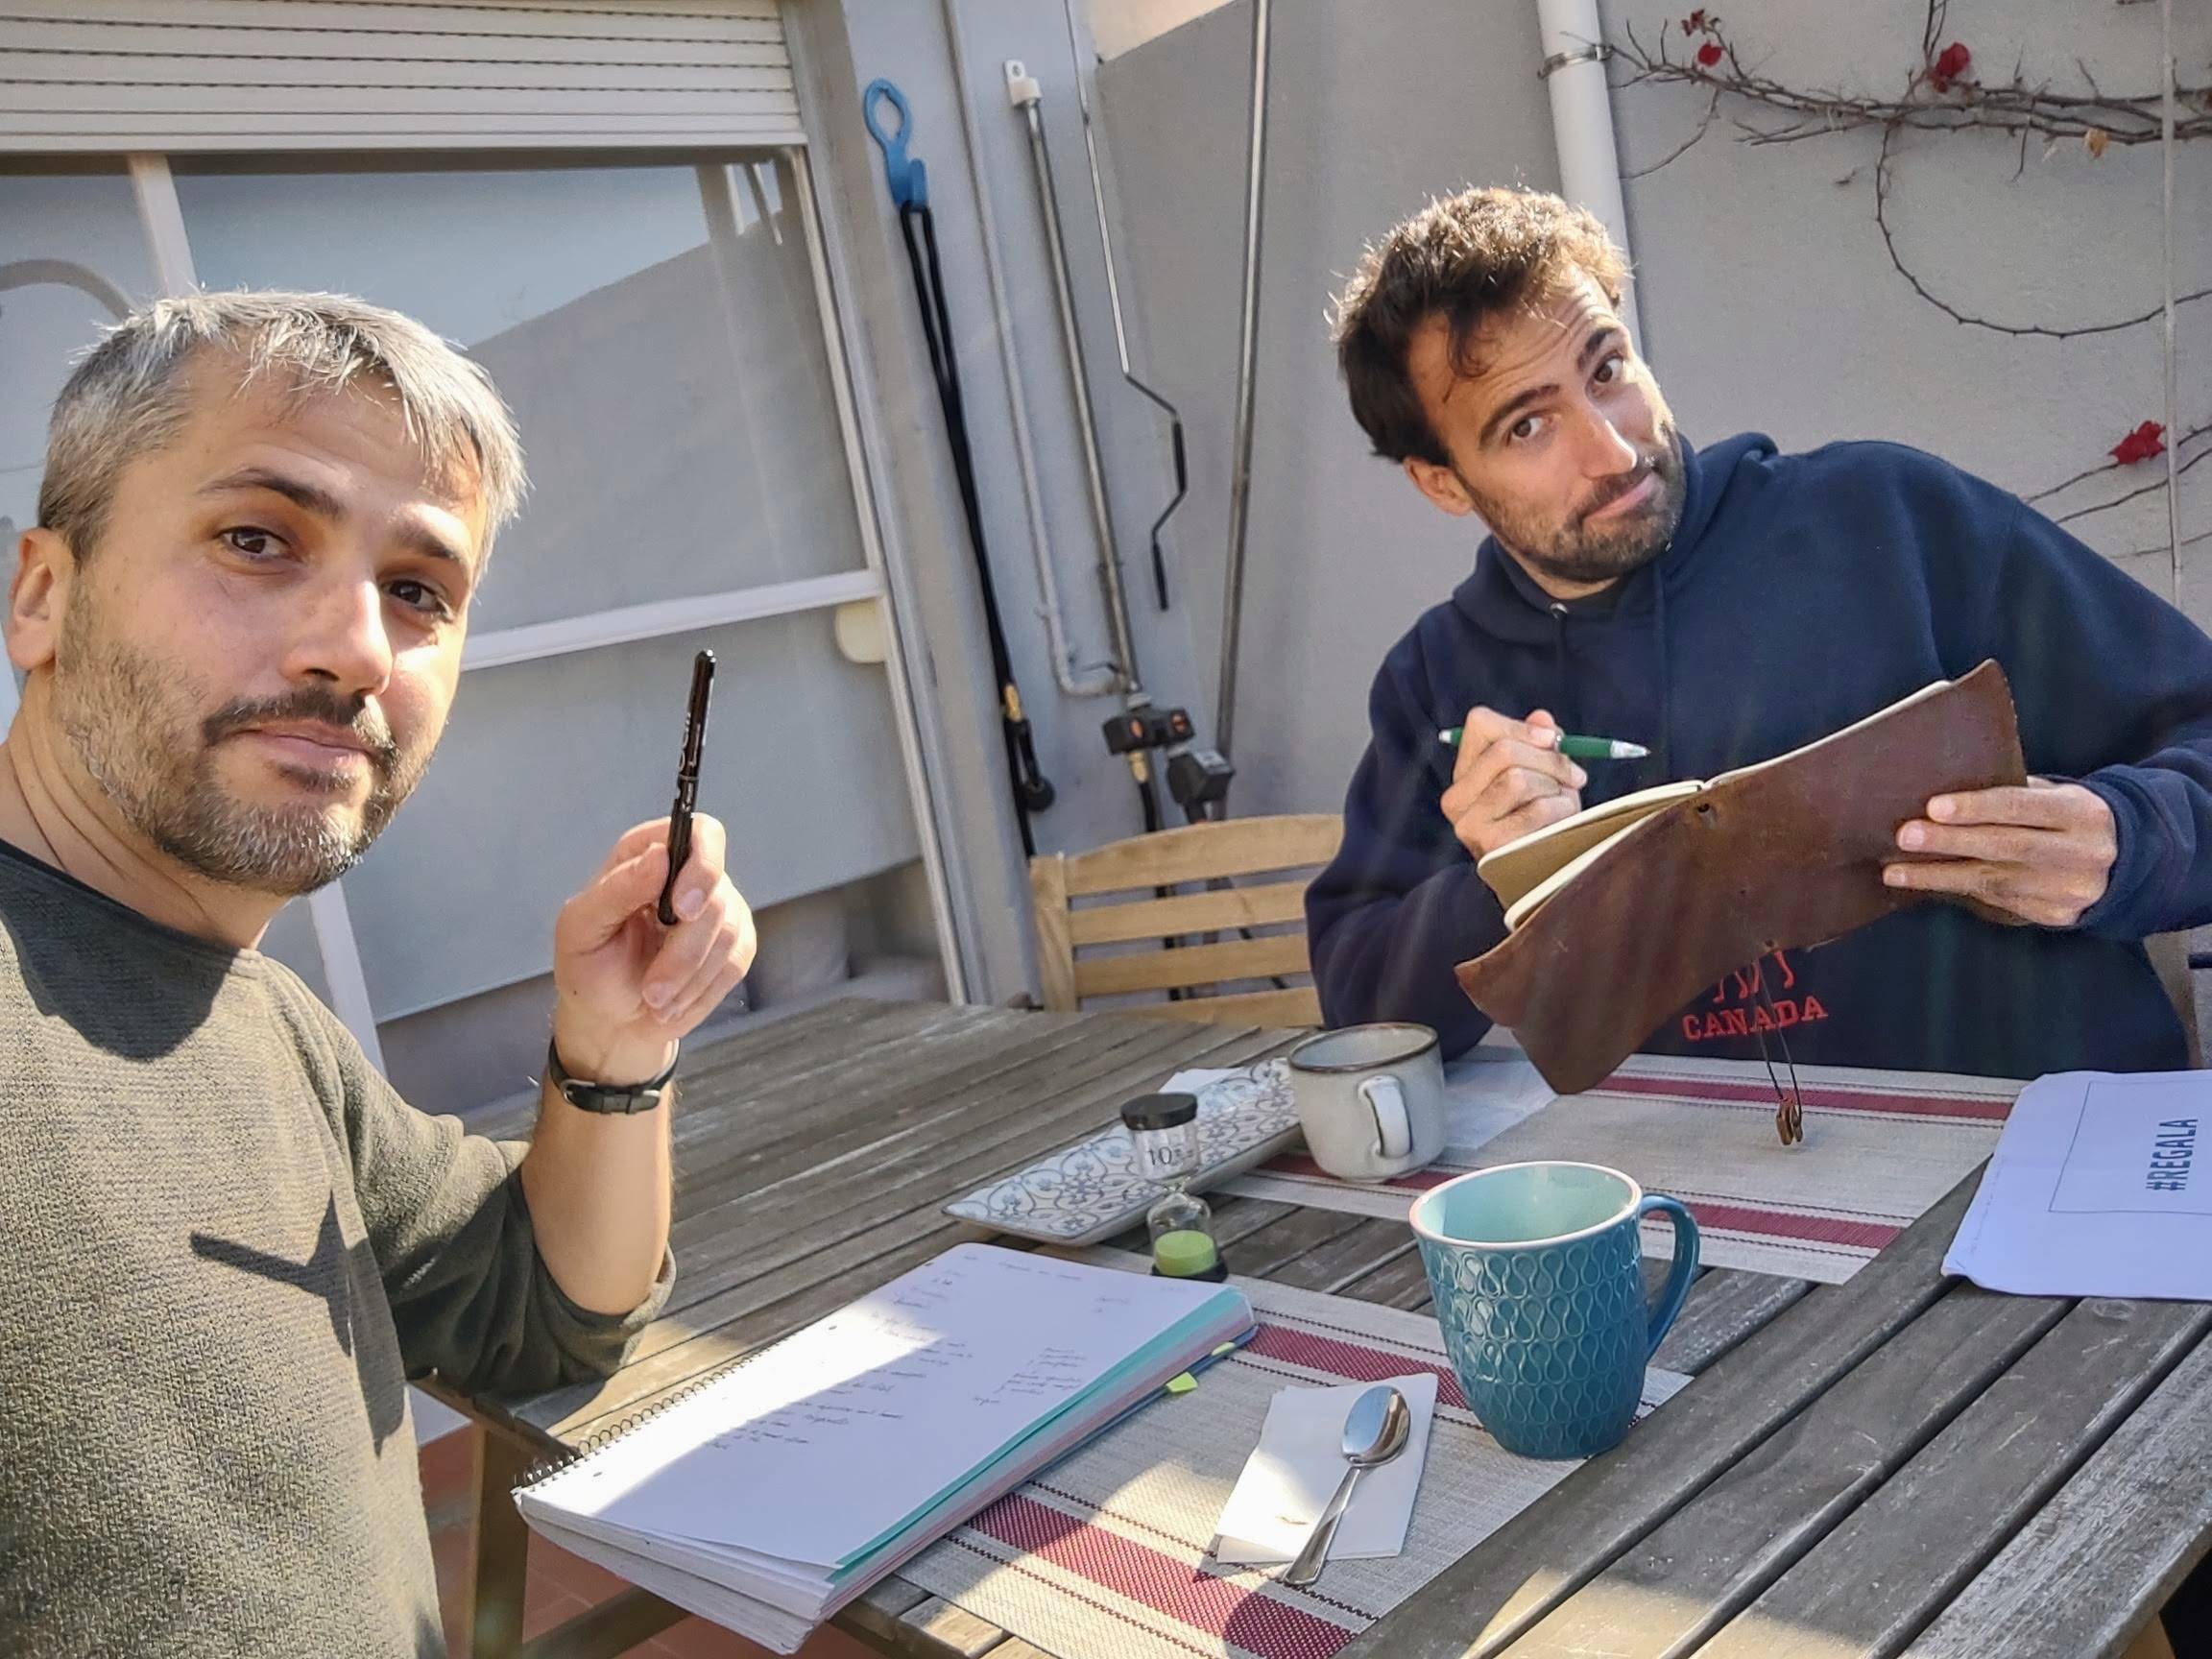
(658, 939)
(1508, 779)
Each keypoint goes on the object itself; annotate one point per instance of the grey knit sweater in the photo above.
(224, 1245)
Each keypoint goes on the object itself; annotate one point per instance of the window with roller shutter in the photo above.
(609, 202)
(233, 75)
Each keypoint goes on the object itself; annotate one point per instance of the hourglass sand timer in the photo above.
(1165, 1129)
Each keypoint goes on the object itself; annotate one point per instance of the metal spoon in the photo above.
(1375, 1431)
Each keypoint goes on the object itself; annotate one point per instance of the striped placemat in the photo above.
(1105, 1555)
(1880, 1148)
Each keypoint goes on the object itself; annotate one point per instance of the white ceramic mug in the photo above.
(1371, 1098)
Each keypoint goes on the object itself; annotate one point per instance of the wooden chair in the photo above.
(1260, 930)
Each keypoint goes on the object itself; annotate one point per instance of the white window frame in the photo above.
(161, 218)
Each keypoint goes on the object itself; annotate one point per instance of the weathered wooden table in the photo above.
(1903, 1465)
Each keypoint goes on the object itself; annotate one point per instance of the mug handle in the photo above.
(1385, 1098)
(1678, 1277)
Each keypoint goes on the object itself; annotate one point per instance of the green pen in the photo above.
(1572, 747)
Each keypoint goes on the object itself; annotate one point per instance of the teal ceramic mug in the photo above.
(1537, 1272)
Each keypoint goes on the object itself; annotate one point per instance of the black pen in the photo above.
(686, 782)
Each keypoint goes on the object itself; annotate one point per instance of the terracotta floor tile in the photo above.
(448, 1466)
(543, 1608)
(560, 1585)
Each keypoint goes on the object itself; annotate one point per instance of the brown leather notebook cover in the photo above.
(1775, 856)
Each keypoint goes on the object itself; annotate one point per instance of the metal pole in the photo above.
(1573, 75)
(1026, 96)
(1097, 192)
(1114, 293)
(1247, 363)
(1094, 680)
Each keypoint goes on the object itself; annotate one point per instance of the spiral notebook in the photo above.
(770, 1493)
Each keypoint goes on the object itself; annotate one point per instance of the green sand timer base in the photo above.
(1165, 1130)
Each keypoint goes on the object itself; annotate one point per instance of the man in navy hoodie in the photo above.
(1721, 606)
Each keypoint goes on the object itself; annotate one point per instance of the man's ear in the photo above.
(1441, 485)
(38, 596)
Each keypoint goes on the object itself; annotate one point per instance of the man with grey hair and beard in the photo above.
(224, 1241)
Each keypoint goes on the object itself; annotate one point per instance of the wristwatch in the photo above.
(621, 1099)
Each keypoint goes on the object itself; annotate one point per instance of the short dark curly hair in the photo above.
(1466, 258)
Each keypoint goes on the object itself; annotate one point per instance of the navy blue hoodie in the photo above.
(1802, 593)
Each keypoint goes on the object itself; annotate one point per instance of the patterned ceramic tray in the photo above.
(1092, 1191)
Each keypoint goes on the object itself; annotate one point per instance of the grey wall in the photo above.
(1766, 296)
(1366, 122)
(1768, 303)
(845, 47)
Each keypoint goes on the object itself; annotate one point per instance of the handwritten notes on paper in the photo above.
(817, 1446)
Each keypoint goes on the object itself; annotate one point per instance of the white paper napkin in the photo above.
(1487, 1092)
(1294, 1471)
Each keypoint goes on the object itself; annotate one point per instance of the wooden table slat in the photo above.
(1233, 1219)
(1498, 1590)
(937, 1628)
(776, 1129)
(768, 1042)
(1400, 1282)
(1726, 1306)
(992, 1102)
(1334, 1263)
(1283, 1241)
(783, 1056)
(1942, 1518)
(2081, 1578)
(877, 1611)
(1744, 1530)
(831, 1034)
(744, 1129)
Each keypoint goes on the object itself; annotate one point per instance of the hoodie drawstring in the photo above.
(1568, 716)
(1559, 709)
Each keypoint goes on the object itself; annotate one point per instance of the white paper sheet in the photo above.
(1294, 1471)
(2100, 1186)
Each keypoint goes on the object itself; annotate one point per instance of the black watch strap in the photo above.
(622, 1099)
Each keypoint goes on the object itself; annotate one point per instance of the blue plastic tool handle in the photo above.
(907, 178)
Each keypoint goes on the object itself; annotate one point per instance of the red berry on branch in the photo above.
(1950, 65)
(1709, 54)
(2145, 443)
